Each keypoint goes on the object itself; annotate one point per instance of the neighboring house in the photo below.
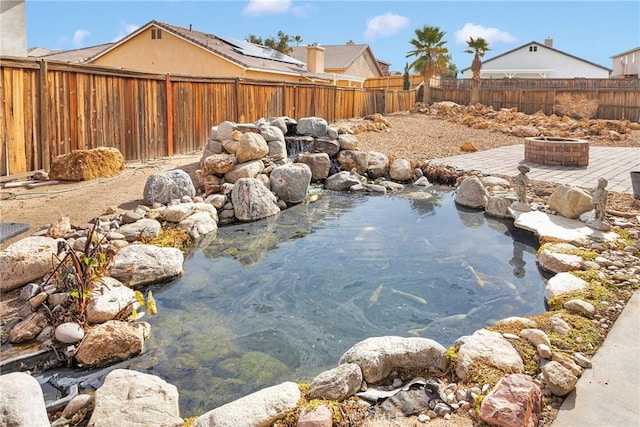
(538, 61)
(13, 30)
(77, 56)
(349, 64)
(158, 47)
(626, 64)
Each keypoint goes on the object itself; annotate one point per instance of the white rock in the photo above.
(471, 193)
(261, 408)
(69, 333)
(26, 260)
(562, 283)
(133, 398)
(137, 265)
(109, 297)
(21, 401)
(488, 347)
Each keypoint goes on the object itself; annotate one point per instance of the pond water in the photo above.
(283, 298)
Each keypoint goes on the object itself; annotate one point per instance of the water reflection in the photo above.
(282, 299)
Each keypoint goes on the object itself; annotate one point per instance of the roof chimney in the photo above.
(315, 59)
(190, 27)
(350, 43)
(548, 42)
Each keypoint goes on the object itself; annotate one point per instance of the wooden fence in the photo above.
(51, 108)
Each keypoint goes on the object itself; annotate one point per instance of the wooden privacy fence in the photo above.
(50, 108)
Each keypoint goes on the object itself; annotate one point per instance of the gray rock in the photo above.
(562, 283)
(350, 160)
(498, 205)
(348, 142)
(26, 260)
(319, 163)
(277, 149)
(137, 265)
(261, 408)
(559, 325)
(559, 380)
(557, 262)
(133, 398)
(280, 123)
(378, 356)
(291, 182)
(337, 384)
(145, 228)
(244, 170)
(471, 193)
(199, 224)
(494, 181)
(378, 165)
(569, 201)
(252, 200)
(325, 145)
(341, 181)
(400, 170)
(21, 401)
(111, 342)
(312, 126)
(224, 130)
(109, 297)
(76, 404)
(486, 347)
(164, 187)
(582, 360)
(251, 146)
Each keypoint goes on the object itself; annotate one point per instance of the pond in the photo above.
(283, 298)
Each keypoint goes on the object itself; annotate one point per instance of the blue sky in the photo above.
(591, 30)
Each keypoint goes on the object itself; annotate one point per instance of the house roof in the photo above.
(542, 45)
(74, 55)
(626, 51)
(338, 57)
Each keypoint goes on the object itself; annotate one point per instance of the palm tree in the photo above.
(297, 39)
(431, 55)
(478, 47)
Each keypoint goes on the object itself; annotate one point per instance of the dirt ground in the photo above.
(410, 136)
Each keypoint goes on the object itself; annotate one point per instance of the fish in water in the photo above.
(440, 324)
(375, 295)
(479, 280)
(410, 296)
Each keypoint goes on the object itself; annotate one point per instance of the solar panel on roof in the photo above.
(256, 51)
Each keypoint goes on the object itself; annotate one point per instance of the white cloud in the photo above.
(491, 35)
(303, 11)
(123, 30)
(384, 25)
(263, 7)
(78, 38)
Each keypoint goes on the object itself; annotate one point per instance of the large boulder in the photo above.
(145, 228)
(291, 181)
(260, 409)
(251, 146)
(337, 384)
(312, 126)
(472, 193)
(134, 398)
(244, 170)
(138, 265)
(111, 342)
(400, 170)
(320, 164)
(109, 298)
(26, 260)
(325, 145)
(82, 165)
(341, 181)
(570, 202)
(350, 160)
(378, 165)
(487, 347)
(252, 200)
(218, 164)
(378, 356)
(21, 401)
(167, 186)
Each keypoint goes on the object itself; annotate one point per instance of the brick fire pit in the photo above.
(553, 151)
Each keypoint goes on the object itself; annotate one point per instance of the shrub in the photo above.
(576, 106)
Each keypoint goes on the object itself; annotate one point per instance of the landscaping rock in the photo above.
(353, 160)
(261, 408)
(341, 181)
(83, 165)
(378, 356)
(569, 201)
(200, 224)
(218, 164)
(562, 283)
(487, 347)
(400, 170)
(111, 342)
(252, 200)
(337, 384)
(137, 265)
(348, 142)
(312, 126)
(498, 206)
(472, 194)
(69, 333)
(559, 380)
(167, 186)
(557, 262)
(319, 163)
(378, 165)
(244, 170)
(108, 299)
(133, 398)
(21, 401)
(515, 401)
(251, 146)
(26, 260)
(145, 228)
(324, 145)
(29, 328)
(581, 307)
(318, 417)
(291, 181)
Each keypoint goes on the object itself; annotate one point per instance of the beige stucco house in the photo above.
(158, 47)
(349, 64)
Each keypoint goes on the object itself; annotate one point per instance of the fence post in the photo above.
(169, 97)
(44, 136)
(236, 89)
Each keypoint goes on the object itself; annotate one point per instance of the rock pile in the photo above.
(511, 122)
